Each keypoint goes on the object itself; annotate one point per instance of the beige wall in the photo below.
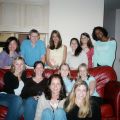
(16, 16)
(72, 17)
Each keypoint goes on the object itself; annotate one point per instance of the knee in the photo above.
(30, 102)
(60, 112)
(16, 99)
(47, 111)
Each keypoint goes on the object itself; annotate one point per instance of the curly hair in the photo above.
(103, 30)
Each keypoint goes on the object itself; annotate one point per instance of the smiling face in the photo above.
(81, 92)
(19, 66)
(64, 71)
(12, 46)
(84, 39)
(83, 72)
(55, 38)
(99, 34)
(39, 69)
(74, 45)
(55, 86)
(34, 37)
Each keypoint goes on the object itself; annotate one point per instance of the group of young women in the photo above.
(99, 53)
(54, 98)
(57, 97)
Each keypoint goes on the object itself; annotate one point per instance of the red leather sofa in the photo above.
(107, 86)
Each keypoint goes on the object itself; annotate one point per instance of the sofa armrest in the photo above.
(112, 95)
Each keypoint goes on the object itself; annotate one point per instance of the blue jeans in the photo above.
(58, 114)
(29, 105)
(13, 103)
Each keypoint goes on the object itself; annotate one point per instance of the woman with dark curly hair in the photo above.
(50, 104)
(104, 48)
(9, 53)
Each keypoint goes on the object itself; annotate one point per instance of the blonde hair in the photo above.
(82, 65)
(85, 108)
(17, 58)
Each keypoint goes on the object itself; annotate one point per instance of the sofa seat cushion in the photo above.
(3, 112)
(106, 110)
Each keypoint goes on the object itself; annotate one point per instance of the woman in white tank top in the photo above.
(56, 52)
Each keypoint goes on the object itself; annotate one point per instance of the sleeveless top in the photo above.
(56, 56)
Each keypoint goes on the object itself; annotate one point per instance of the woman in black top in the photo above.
(13, 84)
(32, 90)
(78, 105)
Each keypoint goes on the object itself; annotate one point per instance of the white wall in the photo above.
(72, 17)
(117, 36)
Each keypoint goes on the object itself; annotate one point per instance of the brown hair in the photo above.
(69, 75)
(51, 42)
(48, 93)
(89, 43)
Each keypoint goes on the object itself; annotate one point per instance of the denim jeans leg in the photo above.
(30, 105)
(13, 103)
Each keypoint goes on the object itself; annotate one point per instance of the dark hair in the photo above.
(79, 49)
(89, 43)
(33, 31)
(103, 30)
(35, 65)
(8, 41)
(48, 93)
(38, 62)
(51, 42)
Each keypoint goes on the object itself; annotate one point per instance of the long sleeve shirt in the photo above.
(104, 53)
(96, 114)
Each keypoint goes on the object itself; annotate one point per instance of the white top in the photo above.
(19, 89)
(56, 56)
(75, 61)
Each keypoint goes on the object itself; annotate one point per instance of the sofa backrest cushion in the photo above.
(102, 74)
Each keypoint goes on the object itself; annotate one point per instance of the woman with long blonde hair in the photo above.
(14, 81)
(78, 105)
(83, 74)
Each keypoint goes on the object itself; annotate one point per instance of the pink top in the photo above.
(90, 55)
